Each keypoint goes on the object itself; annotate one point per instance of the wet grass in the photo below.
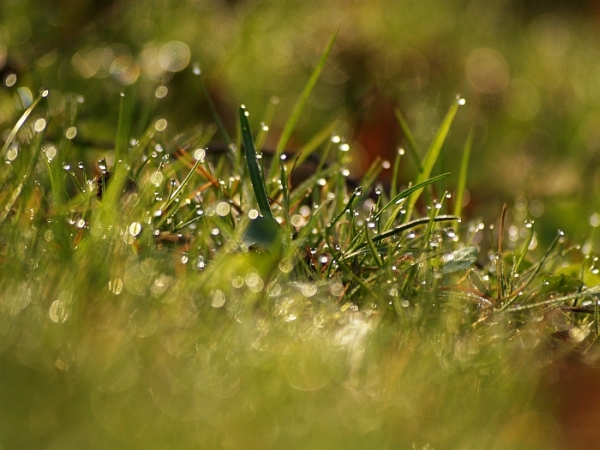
(174, 294)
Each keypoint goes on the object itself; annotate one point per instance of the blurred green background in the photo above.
(529, 71)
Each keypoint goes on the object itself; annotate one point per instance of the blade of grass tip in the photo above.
(462, 177)
(433, 153)
(396, 169)
(9, 140)
(291, 123)
(213, 110)
(256, 177)
(410, 139)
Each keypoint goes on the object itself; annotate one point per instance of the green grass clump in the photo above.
(166, 295)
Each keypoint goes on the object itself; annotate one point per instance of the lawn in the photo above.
(278, 225)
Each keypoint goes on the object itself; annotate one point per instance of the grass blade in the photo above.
(410, 139)
(405, 193)
(21, 121)
(432, 154)
(412, 224)
(256, 176)
(213, 109)
(291, 123)
(308, 149)
(462, 177)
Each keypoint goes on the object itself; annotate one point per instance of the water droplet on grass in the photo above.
(309, 289)
(39, 125)
(115, 286)
(218, 299)
(12, 154)
(199, 154)
(135, 228)
(223, 209)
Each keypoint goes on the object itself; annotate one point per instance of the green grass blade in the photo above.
(256, 177)
(313, 144)
(462, 177)
(213, 109)
(291, 123)
(412, 224)
(405, 193)
(410, 139)
(261, 137)
(22, 120)
(433, 153)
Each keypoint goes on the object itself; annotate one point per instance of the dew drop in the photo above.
(135, 228)
(43, 92)
(39, 125)
(12, 154)
(10, 80)
(199, 154)
(71, 133)
(218, 299)
(358, 191)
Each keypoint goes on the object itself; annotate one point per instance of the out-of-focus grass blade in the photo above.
(291, 123)
(256, 177)
(462, 178)
(410, 139)
(433, 153)
(21, 121)
(213, 109)
(261, 137)
(313, 144)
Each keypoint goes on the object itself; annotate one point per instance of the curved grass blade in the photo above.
(256, 177)
(412, 224)
(433, 154)
(405, 193)
(291, 123)
(21, 121)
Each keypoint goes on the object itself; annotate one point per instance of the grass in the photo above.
(183, 297)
